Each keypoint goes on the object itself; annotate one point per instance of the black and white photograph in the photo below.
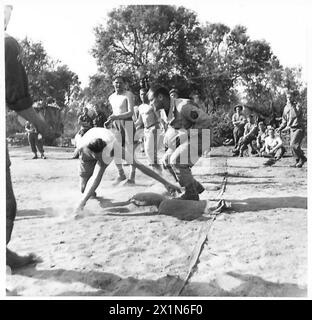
(155, 149)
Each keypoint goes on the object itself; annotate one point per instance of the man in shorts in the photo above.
(187, 137)
(97, 149)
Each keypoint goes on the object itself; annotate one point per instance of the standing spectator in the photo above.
(122, 103)
(99, 118)
(292, 119)
(18, 99)
(238, 120)
(262, 134)
(84, 121)
(273, 147)
(149, 120)
(35, 140)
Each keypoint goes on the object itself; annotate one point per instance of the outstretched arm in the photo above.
(169, 186)
(32, 116)
(93, 184)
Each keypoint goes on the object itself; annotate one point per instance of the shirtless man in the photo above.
(122, 105)
(148, 118)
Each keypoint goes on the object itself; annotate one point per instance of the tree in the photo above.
(158, 40)
(35, 60)
(52, 85)
(168, 44)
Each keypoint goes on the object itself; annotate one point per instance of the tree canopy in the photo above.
(49, 81)
(170, 46)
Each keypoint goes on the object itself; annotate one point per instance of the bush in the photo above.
(12, 124)
(222, 127)
(18, 139)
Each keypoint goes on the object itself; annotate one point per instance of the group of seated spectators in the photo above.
(262, 140)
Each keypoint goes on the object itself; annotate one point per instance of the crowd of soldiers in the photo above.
(264, 140)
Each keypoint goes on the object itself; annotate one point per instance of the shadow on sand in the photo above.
(268, 203)
(34, 213)
(108, 284)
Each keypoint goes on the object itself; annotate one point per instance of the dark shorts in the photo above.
(86, 166)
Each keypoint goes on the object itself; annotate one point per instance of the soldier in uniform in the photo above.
(85, 121)
(293, 119)
(35, 140)
(17, 99)
(186, 138)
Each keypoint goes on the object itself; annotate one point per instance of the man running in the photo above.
(184, 145)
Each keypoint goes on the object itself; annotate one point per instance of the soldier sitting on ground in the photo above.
(250, 134)
(273, 147)
(262, 134)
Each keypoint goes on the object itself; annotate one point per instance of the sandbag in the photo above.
(147, 199)
(182, 207)
(190, 209)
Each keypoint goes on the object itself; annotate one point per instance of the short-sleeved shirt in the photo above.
(184, 115)
(251, 129)
(271, 143)
(31, 128)
(261, 136)
(292, 117)
(238, 117)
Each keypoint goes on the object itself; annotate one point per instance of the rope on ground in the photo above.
(203, 238)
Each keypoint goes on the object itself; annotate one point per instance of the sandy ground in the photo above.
(257, 249)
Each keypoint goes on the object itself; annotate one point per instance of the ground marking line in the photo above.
(202, 240)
